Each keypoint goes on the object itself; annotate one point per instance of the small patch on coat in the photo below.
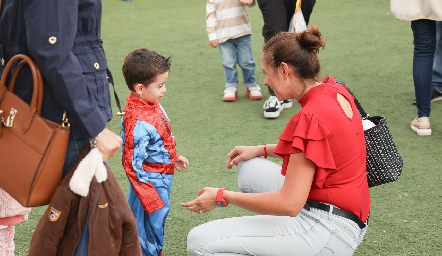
(54, 214)
(102, 205)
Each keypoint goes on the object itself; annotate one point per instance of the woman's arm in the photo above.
(288, 201)
(244, 153)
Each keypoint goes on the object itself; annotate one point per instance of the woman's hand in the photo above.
(108, 143)
(181, 163)
(243, 153)
(205, 202)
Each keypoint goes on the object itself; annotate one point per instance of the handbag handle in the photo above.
(361, 110)
(364, 114)
(37, 96)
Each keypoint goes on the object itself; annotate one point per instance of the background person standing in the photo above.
(228, 26)
(423, 15)
(277, 15)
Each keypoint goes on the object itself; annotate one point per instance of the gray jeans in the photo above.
(313, 232)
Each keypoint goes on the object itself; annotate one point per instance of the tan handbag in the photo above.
(32, 148)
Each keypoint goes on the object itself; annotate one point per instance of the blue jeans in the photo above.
(238, 51)
(74, 148)
(424, 32)
(437, 64)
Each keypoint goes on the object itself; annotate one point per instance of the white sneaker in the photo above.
(254, 93)
(230, 94)
(286, 103)
(272, 107)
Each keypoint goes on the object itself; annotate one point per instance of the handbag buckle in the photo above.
(65, 120)
(10, 120)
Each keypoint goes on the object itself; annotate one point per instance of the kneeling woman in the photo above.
(318, 201)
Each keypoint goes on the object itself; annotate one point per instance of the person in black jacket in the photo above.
(63, 38)
(277, 15)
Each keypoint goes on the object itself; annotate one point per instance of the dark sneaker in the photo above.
(435, 96)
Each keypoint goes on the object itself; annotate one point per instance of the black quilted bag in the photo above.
(384, 163)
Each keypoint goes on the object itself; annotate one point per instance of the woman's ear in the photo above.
(284, 70)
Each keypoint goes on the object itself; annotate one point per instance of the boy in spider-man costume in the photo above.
(149, 154)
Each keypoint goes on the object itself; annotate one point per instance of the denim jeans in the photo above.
(238, 51)
(437, 64)
(74, 148)
(424, 32)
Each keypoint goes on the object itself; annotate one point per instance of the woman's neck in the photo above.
(308, 84)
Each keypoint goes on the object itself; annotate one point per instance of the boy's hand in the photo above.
(247, 2)
(181, 163)
(213, 43)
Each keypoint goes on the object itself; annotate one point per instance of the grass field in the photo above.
(365, 46)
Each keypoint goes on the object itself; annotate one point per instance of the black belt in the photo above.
(336, 211)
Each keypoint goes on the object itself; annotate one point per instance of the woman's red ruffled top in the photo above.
(335, 143)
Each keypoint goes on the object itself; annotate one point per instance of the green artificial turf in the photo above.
(366, 47)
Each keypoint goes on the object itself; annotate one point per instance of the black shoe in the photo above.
(435, 96)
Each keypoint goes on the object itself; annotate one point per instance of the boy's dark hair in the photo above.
(143, 66)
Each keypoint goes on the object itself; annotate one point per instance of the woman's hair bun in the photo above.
(311, 39)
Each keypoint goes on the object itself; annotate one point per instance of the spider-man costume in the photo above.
(149, 157)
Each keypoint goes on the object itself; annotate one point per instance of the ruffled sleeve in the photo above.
(305, 133)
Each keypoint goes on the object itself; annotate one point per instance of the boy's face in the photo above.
(154, 91)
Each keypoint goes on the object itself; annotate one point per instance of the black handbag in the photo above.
(384, 163)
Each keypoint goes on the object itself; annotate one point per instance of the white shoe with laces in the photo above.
(272, 107)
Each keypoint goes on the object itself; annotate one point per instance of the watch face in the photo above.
(221, 204)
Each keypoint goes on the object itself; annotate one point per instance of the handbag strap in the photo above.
(361, 110)
(37, 96)
(298, 5)
(120, 113)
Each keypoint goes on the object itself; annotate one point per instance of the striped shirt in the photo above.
(226, 19)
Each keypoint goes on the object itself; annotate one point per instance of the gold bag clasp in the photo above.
(10, 120)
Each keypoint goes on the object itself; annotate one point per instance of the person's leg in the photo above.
(424, 32)
(259, 175)
(245, 59)
(313, 232)
(437, 64)
(247, 64)
(151, 226)
(74, 148)
(307, 9)
(228, 60)
(274, 13)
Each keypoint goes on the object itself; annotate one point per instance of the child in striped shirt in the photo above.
(228, 26)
